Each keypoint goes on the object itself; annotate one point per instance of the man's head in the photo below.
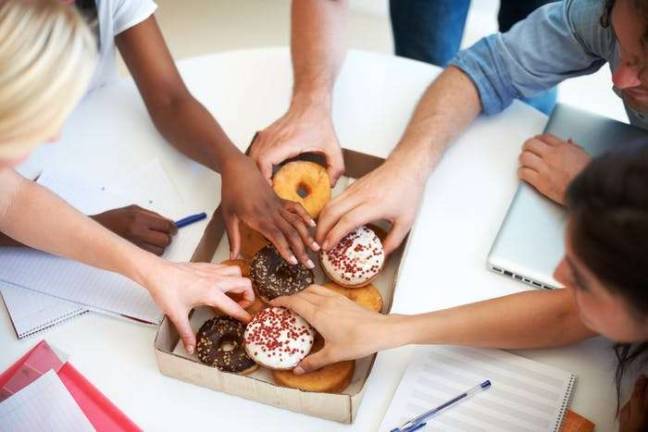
(629, 21)
(606, 260)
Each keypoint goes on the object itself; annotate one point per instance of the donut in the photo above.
(251, 241)
(278, 338)
(220, 344)
(333, 378)
(242, 264)
(272, 276)
(356, 260)
(367, 296)
(304, 182)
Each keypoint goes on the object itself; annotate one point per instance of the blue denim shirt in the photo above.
(558, 41)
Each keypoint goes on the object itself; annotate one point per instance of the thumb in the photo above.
(313, 362)
(395, 236)
(335, 166)
(181, 324)
(234, 235)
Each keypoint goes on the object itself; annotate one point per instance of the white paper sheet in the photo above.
(526, 396)
(44, 405)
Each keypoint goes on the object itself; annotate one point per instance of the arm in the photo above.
(189, 127)
(148, 230)
(437, 121)
(33, 216)
(535, 319)
(318, 50)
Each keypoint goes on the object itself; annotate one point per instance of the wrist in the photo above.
(317, 100)
(397, 330)
(143, 267)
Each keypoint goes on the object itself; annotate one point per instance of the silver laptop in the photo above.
(530, 242)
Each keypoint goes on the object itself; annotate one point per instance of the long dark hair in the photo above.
(608, 208)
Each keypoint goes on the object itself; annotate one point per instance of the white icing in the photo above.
(266, 327)
(363, 258)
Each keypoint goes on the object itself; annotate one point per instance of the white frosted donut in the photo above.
(278, 338)
(355, 260)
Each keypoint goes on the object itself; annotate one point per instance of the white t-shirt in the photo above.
(115, 16)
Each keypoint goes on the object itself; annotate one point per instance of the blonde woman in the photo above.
(47, 57)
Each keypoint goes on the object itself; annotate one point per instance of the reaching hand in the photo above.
(247, 197)
(145, 228)
(634, 414)
(299, 131)
(549, 164)
(392, 191)
(344, 325)
(179, 287)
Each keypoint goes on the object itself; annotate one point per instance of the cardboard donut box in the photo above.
(342, 407)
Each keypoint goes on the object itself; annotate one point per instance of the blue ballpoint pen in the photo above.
(190, 219)
(418, 422)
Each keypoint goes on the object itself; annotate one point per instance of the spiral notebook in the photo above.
(526, 396)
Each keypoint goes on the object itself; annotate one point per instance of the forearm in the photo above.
(536, 319)
(318, 47)
(33, 216)
(446, 109)
(192, 130)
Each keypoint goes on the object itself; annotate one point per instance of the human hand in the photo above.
(349, 330)
(549, 164)
(392, 191)
(300, 130)
(179, 287)
(248, 198)
(634, 414)
(147, 229)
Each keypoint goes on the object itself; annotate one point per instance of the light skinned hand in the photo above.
(300, 130)
(549, 164)
(634, 414)
(179, 287)
(145, 228)
(247, 197)
(349, 331)
(393, 191)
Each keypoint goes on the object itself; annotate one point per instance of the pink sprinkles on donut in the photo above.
(356, 259)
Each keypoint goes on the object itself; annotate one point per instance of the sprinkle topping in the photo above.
(356, 259)
(272, 276)
(278, 338)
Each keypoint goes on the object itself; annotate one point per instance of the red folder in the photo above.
(102, 413)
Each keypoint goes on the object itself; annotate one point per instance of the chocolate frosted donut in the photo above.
(272, 276)
(220, 345)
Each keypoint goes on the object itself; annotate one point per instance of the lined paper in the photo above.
(32, 312)
(525, 396)
(44, 405)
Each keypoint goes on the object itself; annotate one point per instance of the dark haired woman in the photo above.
(604, 270)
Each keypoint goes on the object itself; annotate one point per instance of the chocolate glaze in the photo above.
(272, 276)
(211, 337)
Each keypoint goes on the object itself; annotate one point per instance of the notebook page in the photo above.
(44, 405)
(32, 312)
(525, 396)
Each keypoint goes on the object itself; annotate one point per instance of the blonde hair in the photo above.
(47, 56)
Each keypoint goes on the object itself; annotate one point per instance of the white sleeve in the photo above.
(128, 13)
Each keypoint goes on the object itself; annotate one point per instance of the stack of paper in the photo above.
(41, 290)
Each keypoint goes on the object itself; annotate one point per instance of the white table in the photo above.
(110, 134)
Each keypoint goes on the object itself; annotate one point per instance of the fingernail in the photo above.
(190, 349)
(310, 264)
(315, 246)
(293, 260)
(325, 245)
(312, 223)
(298, 370)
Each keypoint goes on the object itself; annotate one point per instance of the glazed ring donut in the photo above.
(220, 344)
(272, 276)
(367, 296)
(333, 378)
(278, 338)
(251, 241)
(304, 182)
(355, 260)
(244, 265)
